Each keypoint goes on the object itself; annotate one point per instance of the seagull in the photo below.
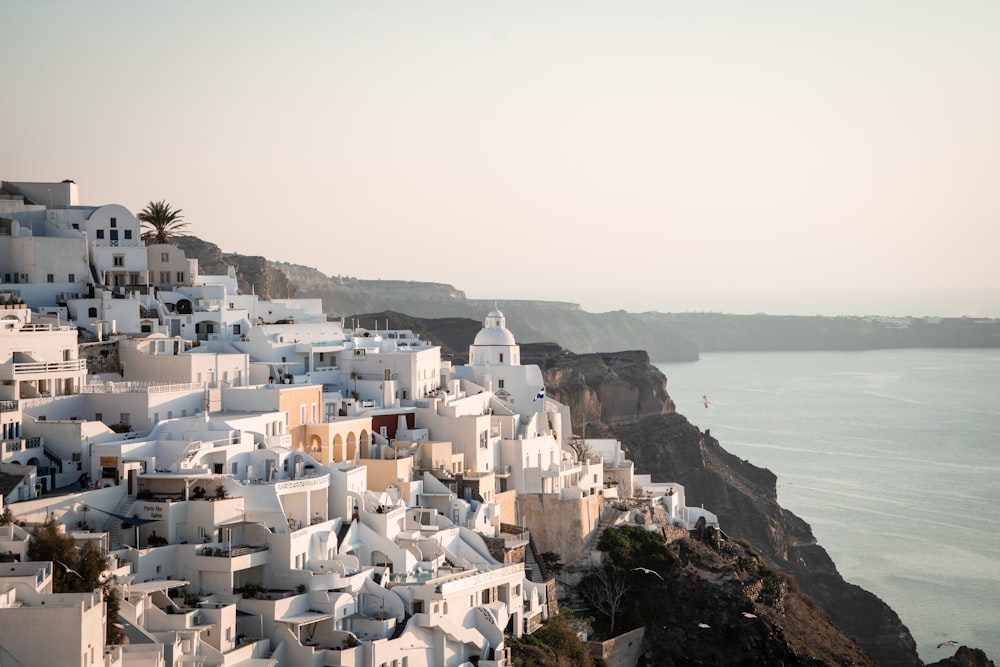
(704, 626)
(704, 399)
(747, 614)
(647, 571)
(950, 642)
(69, 569)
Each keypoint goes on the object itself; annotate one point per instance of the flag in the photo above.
(539, 395)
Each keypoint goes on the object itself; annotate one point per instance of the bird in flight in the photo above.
(704, 626)
(69, 569)
(647, 571)
(950, 642)
(704, 399)
(749, 615)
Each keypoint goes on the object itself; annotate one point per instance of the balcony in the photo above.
(9, 406)
(40, 370)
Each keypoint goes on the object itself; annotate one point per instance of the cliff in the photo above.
(254, 274)
(623, 396)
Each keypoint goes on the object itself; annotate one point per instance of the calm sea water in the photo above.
(893, 457)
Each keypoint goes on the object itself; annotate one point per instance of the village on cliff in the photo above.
(266, 486)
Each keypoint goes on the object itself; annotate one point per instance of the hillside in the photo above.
(667, 337)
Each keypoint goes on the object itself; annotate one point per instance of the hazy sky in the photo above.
(783, 157)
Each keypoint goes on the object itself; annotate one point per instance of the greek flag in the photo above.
(539, 395)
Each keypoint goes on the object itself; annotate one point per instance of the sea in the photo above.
(893, 458)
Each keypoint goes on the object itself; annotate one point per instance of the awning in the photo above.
(157, 585)
(303, 619)
(132, 520)
(257, 662)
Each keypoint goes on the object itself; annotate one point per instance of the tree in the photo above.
(606, 588)
(77, 570)
(161, 223)
(580, 447)
(50, 543)
(552, 562)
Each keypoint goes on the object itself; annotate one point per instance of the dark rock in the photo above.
(965, 657)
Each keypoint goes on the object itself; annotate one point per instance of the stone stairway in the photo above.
(531, 565)
(609, 516)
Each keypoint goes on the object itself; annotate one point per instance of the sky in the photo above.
(786, 157)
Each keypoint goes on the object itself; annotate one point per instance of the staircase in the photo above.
(55, 460)
(113, 526)
(609, 516)
(533, 563)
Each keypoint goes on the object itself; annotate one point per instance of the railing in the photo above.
(512, 541)
(31, 368)
(139, 387)
(9, 406)
(120, 243)
(234, 552)
(13, 445)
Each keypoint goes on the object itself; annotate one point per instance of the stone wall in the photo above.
(562, 525)
(101, 357)
(621, 651)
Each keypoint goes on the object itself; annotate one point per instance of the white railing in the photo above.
(31, 368)
(139, 387)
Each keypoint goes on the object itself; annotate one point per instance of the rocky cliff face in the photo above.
(253, 274)
(624, 397)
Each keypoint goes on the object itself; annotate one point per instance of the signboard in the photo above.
(152, 510)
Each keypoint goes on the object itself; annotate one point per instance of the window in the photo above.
(114, 222)
(91, 312)
(500, 384)
(164, 277)
(71, 278)
(99, 416)
(119, 260)
(501, 357)
(51, 277)
(236, 330)
(128, 234)
(100, 233)
(302, 414)
(180, 276)
(164, 256)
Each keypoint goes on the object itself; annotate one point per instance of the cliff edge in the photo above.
(623, 396)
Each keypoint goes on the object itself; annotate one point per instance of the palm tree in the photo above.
(161, 223)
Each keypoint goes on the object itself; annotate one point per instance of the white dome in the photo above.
(495, 336)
